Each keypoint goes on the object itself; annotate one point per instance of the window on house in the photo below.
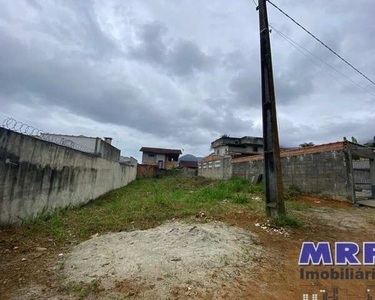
(151, 155)
(255, 148)
(217, 151)
(217, 164)
(210, 164)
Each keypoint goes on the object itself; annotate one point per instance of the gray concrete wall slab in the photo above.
(37, 176)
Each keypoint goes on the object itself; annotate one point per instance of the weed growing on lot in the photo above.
(228, 189)
(287, 221)
(298, 206)
(148, 202)
(240, 199)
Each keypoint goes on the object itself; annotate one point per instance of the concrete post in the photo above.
(272, 164)
(372, 177)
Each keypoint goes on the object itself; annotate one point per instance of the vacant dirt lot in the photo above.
(176, 238)
(191, 259)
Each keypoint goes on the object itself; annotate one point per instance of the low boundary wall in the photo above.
(215, 167)
(151, 171)
(323, 169)
(38, 176)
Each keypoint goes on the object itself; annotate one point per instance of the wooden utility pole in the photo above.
(272, 164)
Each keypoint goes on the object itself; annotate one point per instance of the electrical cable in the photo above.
(299, 47)
(330, 49)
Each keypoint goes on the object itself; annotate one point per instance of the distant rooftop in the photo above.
(243, 141)
(160, 150)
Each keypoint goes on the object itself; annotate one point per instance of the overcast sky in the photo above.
(179, 74)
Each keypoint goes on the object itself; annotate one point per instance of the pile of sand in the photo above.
(174, 255)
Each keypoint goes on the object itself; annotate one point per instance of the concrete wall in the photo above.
(128, 161)
(361, 172)
(358, 151)
(36, 175)
(146, 171)
(362, 179)
(152, 159)
(324, 173)
(89, 144)
(150, 171)
(323, 169)
(361, 164)
(221, 150)
(249, 149)
(189, 172)
(215, 167)
(107, 151)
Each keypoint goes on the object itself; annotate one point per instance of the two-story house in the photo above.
(163, 158)
(246, 145)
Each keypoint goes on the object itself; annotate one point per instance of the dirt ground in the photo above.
(35, 270)
(190, 257)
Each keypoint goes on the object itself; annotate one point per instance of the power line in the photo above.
(295, 45)
(330, 49)
(299, 47)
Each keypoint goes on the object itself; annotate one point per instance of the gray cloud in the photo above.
(180, 58)
(246, 88)
(152, 48)
(332, 131)
(186, 57)
(181, 80)
(82, 89)
(288, 87)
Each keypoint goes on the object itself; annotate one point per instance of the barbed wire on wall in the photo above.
(20, 127)
(14, 125)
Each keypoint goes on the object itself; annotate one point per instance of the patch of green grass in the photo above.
(214, 193)
(229, 189)
(145, 203)
(297, 206)
(287, 221)
(243, 185)
(236, 184)
(240, 199)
